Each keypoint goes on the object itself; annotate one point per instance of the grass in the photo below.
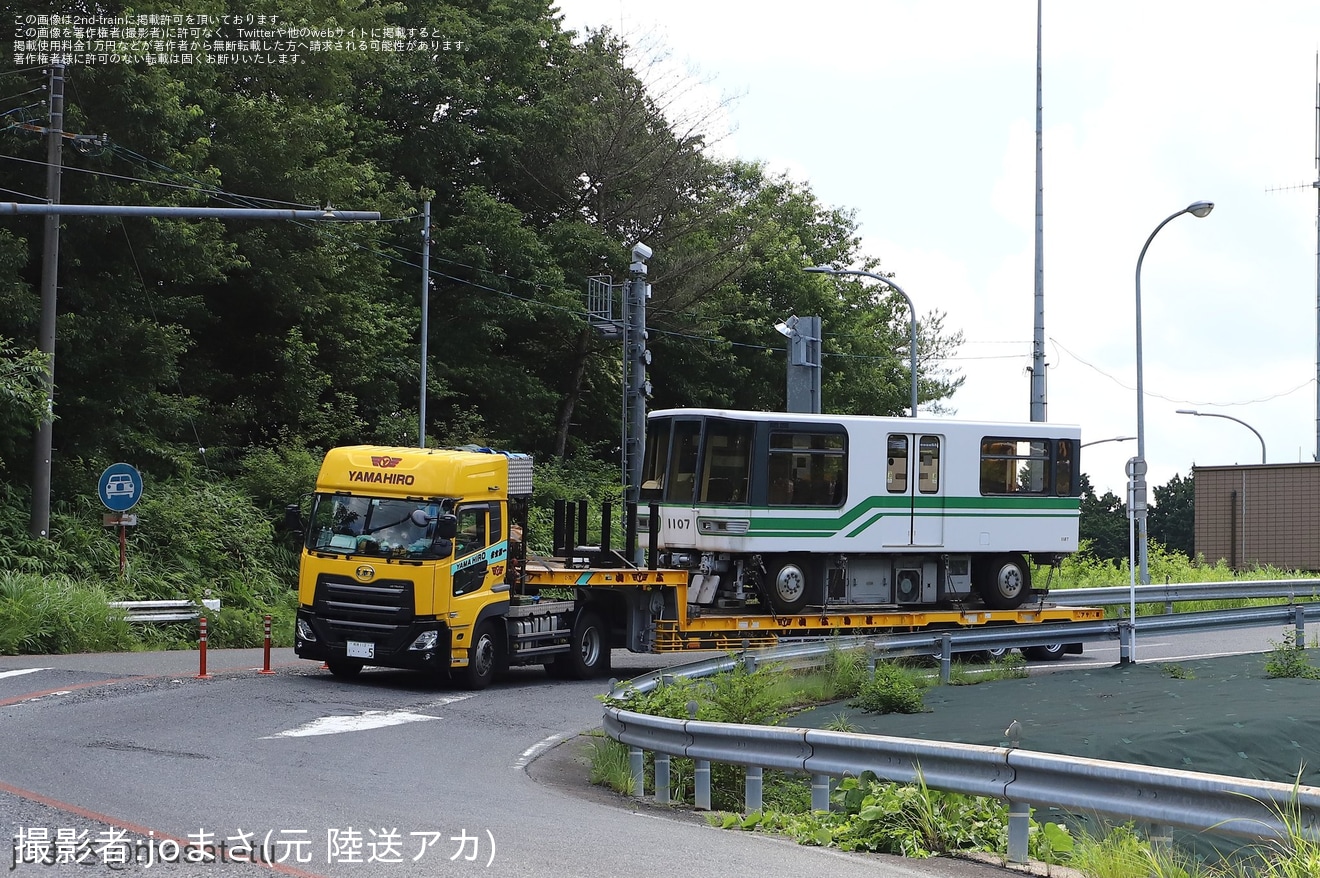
(868, 814)
(610, 766)
(1009, 666)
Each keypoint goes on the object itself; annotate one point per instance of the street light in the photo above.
(1230, 418)
(912, 322)
(1196, 209)
(1110, 439)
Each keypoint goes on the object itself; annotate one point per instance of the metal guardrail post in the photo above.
(637, 762)
(1019, 826)
(749, 663)
(1299, 625)
(701, 784)
(1125, 641)
(752, 799)
(946, 657)
(820, 792)
(662, 778)
(700, 773)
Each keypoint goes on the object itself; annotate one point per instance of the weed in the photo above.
(841, 723)
(610, 766)
(1009, 666)
(892, 689)
(1288, 659)
(1177, 671)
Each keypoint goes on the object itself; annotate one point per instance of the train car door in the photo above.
(914, 470)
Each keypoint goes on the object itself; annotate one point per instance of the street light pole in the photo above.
(1197, 209)
(912, 311)
(1229, 418)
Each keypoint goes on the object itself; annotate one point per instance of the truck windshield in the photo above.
(375, 526)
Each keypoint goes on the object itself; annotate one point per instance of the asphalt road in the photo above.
(383, 775)
(131, 753)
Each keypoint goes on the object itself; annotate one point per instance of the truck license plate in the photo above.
(361, 649)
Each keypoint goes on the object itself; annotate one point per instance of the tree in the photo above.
(543, 158)
(1172, 518)
(1103, 526)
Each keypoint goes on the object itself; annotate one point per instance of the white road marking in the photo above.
(367, 719)
(21, 672)
(536, 750)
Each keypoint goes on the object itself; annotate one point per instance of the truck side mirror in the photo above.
(446, 527)
(293, 518)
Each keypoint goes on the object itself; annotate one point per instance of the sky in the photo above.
(920, 116)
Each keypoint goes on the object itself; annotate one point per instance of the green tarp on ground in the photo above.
(1220, 716)
(1217, 716)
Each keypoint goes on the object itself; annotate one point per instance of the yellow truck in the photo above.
(413, 558)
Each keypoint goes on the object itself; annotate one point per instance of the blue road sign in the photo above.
(121, 487)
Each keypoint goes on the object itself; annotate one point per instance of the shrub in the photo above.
(892, 689)
(1288, 659)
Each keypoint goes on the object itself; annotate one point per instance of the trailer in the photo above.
(756, 527)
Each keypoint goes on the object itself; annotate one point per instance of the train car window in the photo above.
(807, 468)
(656, 459)
(727, 459)
(896, 468)
(1064, 470)
(681, 481)
(1014, 466)
(928, 465)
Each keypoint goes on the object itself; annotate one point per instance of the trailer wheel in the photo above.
(789, 585)
(484, 657)
(344, 668)
(1049, 653)
(589, 650)
(1005, 581)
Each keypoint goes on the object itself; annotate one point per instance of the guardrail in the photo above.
(1022, 778)
(164, 611)
(1170, 593)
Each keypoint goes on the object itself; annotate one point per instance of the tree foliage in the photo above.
(1103, 526)
(188, 346)
(1172, 519)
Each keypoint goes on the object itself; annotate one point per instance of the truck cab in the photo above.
(404, 558)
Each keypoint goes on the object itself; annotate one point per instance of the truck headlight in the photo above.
(426, 640)
(305, 631)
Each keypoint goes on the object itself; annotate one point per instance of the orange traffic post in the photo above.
(265, 668)
(201, 673)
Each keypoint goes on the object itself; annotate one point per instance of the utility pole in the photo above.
(638, 358)
(1038, 392)
(39, 522)
(426, 309)
(804, 363)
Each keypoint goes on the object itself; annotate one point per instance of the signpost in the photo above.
(120, 489)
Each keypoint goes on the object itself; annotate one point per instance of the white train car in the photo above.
(830, 511)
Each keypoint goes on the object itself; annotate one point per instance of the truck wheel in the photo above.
(1005, 581)
(1049, 653)
(589, 649)
(789, 585)
(484, 655)
(344, 668)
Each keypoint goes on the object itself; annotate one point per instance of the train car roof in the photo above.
(1045, 427)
